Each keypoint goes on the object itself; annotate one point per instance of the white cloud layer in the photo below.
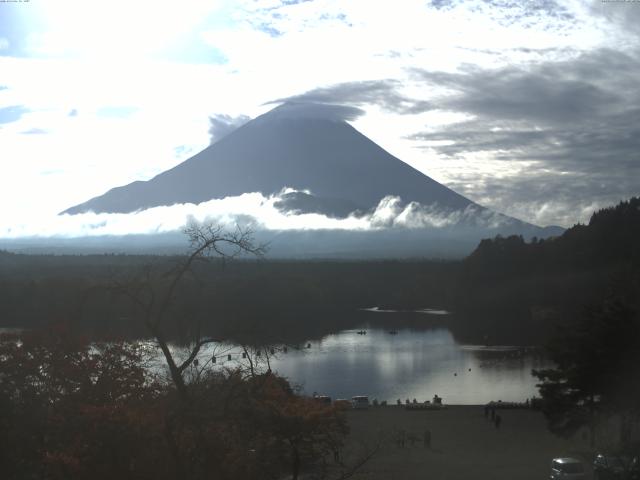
(251, 210)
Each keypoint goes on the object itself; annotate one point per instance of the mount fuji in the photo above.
(295, 145)
(315, 162)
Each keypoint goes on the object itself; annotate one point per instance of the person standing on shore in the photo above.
(401, 437)
(427, 438)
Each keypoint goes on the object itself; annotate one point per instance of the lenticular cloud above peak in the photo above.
(310, 110)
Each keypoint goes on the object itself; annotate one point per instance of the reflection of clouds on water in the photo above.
(372, 359)
(426, 311)
(411, 364)
(432, 311)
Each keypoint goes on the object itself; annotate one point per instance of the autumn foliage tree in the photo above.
(78, 410)
(74, 410)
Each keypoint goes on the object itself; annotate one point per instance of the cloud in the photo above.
(221, 125)
(575, 124)
(391, 212)
(625, 14)
(548, 14)
(531, 12)
(307, 109)
(115, 111)
(250, 209)
(552, 93)
(382, 93)
(105, 33)
(442, 4)
(34, 131)
(544, 196)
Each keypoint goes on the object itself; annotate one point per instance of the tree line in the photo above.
(511, 285)
(507, 291)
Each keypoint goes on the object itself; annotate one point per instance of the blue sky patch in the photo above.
(12, 114)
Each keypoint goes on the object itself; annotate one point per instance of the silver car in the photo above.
(566, 468)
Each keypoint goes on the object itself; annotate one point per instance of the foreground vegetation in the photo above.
(73, 410)
(77, 401)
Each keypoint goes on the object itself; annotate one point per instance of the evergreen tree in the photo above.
(595, 375)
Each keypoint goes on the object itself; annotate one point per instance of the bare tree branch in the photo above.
(205, 240)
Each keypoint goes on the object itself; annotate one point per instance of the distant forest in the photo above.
(509, 284)
(507, 290)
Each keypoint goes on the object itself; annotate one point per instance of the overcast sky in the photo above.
(531, 108)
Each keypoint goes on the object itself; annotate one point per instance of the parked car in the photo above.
(323, 399)
(566, 468)
(615, 467)
(360, 402)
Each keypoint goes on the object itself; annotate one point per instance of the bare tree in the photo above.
(154, 292)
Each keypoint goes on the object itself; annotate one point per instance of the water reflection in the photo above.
(411, 364)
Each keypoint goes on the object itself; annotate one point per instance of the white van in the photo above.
(360, 401)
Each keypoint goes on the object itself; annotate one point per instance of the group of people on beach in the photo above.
(436, 401)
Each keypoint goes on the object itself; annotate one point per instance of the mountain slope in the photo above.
(284, 148)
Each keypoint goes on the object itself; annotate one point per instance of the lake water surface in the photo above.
(413, 363)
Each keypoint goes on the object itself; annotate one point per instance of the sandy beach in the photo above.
(464, 444)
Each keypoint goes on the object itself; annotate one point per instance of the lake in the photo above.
(412, 363)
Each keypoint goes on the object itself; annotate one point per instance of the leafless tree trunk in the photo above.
(205, 240)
